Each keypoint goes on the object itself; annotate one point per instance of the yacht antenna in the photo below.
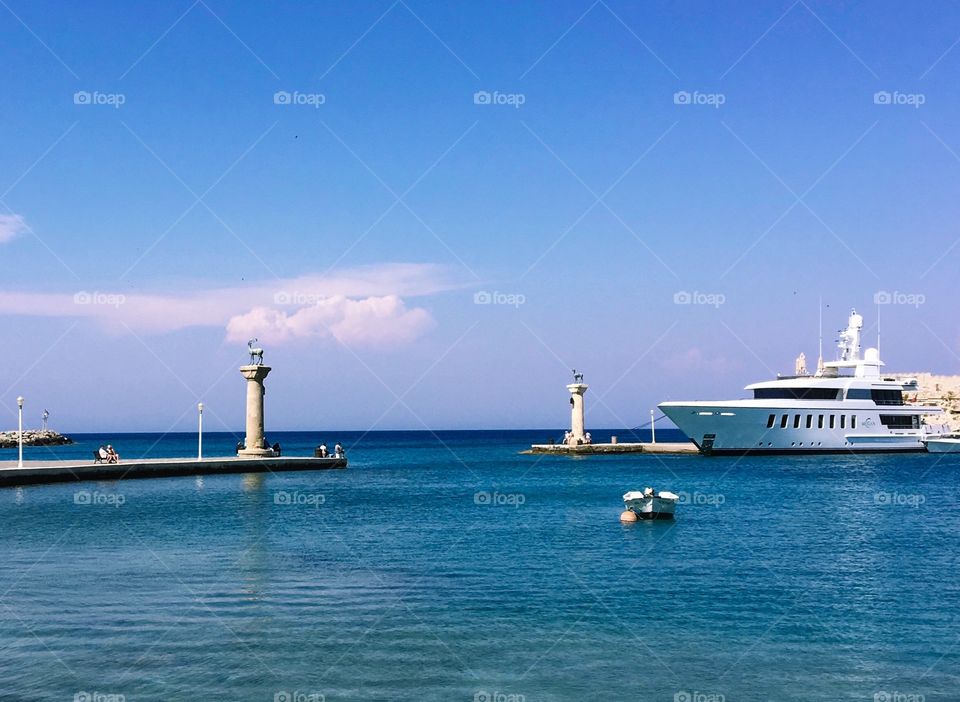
(820, 354)
(878, 329)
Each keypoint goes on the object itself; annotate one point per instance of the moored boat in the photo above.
(650, 504)
(948, 443)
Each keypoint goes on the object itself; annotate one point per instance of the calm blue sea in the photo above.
(449, 567)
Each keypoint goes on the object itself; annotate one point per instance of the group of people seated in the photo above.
(323, 452)
(569, 439)
(107, 455)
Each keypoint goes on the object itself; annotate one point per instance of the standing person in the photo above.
(324, 453)
(338, 450)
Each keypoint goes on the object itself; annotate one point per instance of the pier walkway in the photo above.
(39, 472)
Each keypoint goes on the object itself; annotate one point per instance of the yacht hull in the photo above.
(750, 427)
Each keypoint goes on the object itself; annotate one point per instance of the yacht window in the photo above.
(783, 422)
(833, 421)
(859, 394)
(796, 421)
(887, 397)
(843, 421)
(853, 421)
(900, 421)
(770, 420)
(797, 393)
(809, 421)
(820, 421)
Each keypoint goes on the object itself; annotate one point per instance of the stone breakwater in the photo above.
(33, 437)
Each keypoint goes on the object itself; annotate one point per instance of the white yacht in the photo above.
(847, 406)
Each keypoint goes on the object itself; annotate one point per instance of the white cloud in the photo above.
(10, 226)
(363, 305)
(368, 321)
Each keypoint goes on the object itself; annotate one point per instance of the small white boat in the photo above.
(651, 504)
(948, 443)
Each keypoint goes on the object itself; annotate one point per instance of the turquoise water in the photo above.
(453, 568)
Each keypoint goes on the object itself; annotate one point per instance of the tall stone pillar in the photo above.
(576, 412)
(255, 446)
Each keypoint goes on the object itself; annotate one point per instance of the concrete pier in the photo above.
(40, 472)
(593, 449)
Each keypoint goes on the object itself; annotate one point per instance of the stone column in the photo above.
(576, 411)
(254, 442)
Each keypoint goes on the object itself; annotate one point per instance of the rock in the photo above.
(33, 437)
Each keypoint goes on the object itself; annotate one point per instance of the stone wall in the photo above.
(941, 390)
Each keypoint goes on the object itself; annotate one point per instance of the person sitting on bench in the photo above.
(112, 456)
(100, 455)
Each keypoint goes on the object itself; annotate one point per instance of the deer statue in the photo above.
(256, 355)
(577, 377)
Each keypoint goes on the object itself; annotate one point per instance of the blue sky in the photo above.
(344, 181)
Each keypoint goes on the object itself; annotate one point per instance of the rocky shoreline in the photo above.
(33, 437)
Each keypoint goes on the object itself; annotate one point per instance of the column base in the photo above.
(255, 453)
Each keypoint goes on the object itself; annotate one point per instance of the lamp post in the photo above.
(653, 429)
(20, 430)
(200, 433)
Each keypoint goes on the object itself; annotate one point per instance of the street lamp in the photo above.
(20, 430)
(200, 433)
